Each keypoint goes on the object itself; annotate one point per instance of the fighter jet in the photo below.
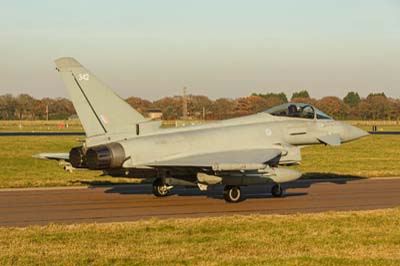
(249, 150)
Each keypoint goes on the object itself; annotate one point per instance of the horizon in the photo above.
(222, 50)
(289, 97)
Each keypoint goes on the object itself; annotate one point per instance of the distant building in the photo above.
(154, 114)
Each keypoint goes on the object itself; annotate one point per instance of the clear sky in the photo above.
(223, 48)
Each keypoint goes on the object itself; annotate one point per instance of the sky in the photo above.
(152, 49)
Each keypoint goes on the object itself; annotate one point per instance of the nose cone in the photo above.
(353, 133)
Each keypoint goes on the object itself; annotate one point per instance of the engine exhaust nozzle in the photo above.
(105, 156)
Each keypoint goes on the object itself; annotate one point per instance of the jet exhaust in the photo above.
(77, 157)
(105, 156)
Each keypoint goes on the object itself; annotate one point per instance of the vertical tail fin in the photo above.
(100, 110)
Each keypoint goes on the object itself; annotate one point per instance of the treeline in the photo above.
(376, 106)
(25, 107)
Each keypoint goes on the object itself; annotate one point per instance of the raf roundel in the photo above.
(105, 119)
(268, 132)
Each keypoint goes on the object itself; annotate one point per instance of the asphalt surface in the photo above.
(22, 207)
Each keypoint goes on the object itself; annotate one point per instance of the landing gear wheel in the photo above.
(159, 188)
(232, 194)
(277, 191)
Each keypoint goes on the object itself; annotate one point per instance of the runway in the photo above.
(22, 207)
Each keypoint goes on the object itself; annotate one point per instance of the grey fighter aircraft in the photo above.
(236, 152)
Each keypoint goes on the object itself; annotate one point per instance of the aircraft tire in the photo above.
(232, 194)
(277, 191)
(159, 188)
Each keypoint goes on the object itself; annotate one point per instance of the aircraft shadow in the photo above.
(310, 179)
(248, 192)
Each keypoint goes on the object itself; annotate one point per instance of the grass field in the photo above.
(41, 126)
(381, 125)
(373, 156)
(347, 238)
(19, 169)
(381, 128)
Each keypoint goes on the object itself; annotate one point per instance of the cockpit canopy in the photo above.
(298, 110)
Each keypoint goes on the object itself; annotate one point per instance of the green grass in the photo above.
(41, 126)
(381, 128)
(344, 238)
(19, 169)
(381, 125)
(373, 156)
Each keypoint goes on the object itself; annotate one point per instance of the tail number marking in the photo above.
(83, 77)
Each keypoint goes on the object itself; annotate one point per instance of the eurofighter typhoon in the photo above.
(236, 152)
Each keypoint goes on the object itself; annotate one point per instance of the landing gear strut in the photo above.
(232, 194)
(160, 189)
(277, 191)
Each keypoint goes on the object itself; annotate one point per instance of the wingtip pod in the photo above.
(66, 62)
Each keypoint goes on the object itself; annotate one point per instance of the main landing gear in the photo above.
(160, 189)
(232, 194)
(277, 191)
